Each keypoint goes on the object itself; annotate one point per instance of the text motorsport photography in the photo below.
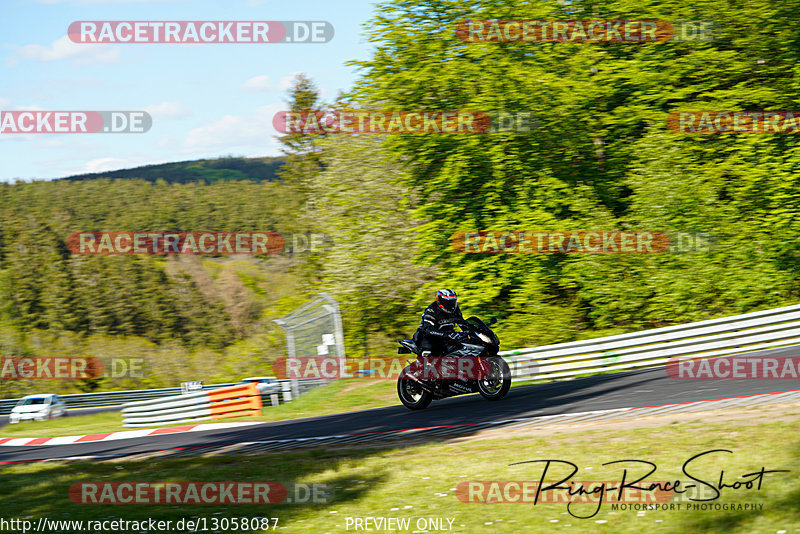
(697, 490)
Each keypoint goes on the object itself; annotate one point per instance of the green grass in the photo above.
(337, 397)
(420, 481)
(72, 425)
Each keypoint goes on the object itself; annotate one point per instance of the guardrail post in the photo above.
(274, 399)
(286, 389)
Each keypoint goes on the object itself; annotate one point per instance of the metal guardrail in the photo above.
(222, 403)
(637, 350)
(652, 348)
(117, 398)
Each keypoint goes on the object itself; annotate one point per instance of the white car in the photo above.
(38, 407)
(265, 384)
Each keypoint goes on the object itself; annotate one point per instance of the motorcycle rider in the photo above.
(436, 331)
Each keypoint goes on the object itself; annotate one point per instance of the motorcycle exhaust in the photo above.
(421, 384)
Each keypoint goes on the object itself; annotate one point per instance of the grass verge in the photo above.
(420, 481)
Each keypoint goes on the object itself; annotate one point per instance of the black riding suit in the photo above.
(436, 333)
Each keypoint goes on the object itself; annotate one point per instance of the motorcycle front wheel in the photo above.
(411, 394)
(495, 386)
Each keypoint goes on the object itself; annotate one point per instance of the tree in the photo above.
(371, 266)
(303, 156)
(601, 158)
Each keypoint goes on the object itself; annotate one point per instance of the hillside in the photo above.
(208, 170)
(183, 317)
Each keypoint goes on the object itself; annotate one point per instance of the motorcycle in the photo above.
(470, 365)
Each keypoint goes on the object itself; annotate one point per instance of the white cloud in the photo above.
(105, 164)
(233, 132)
(258, 84)
(108, 164)
(168, 110)
(64, 49)
(32, 107)
(77, 82)
(168, 141)
(73, 144)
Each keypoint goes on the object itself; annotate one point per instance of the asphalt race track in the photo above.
(622, 390)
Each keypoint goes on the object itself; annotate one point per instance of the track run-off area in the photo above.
(464, 414)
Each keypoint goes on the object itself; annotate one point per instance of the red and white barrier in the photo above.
(234, 401)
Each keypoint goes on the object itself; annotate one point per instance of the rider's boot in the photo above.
(437, 385)
(420, 372)
(426, 354)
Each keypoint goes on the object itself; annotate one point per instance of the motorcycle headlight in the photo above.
(484, 337)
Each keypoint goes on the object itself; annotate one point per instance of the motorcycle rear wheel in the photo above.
(411, 394)
(495, 386)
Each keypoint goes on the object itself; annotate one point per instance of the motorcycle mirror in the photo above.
(492, 320)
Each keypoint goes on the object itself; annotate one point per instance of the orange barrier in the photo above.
(235, 405)
(254, 413)
(233, 392)
(240, 400)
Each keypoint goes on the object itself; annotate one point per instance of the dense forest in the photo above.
(600, 158)
(177, 308)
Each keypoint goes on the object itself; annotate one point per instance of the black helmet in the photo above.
(446, 298)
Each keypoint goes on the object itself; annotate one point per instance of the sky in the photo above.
(205, 100)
